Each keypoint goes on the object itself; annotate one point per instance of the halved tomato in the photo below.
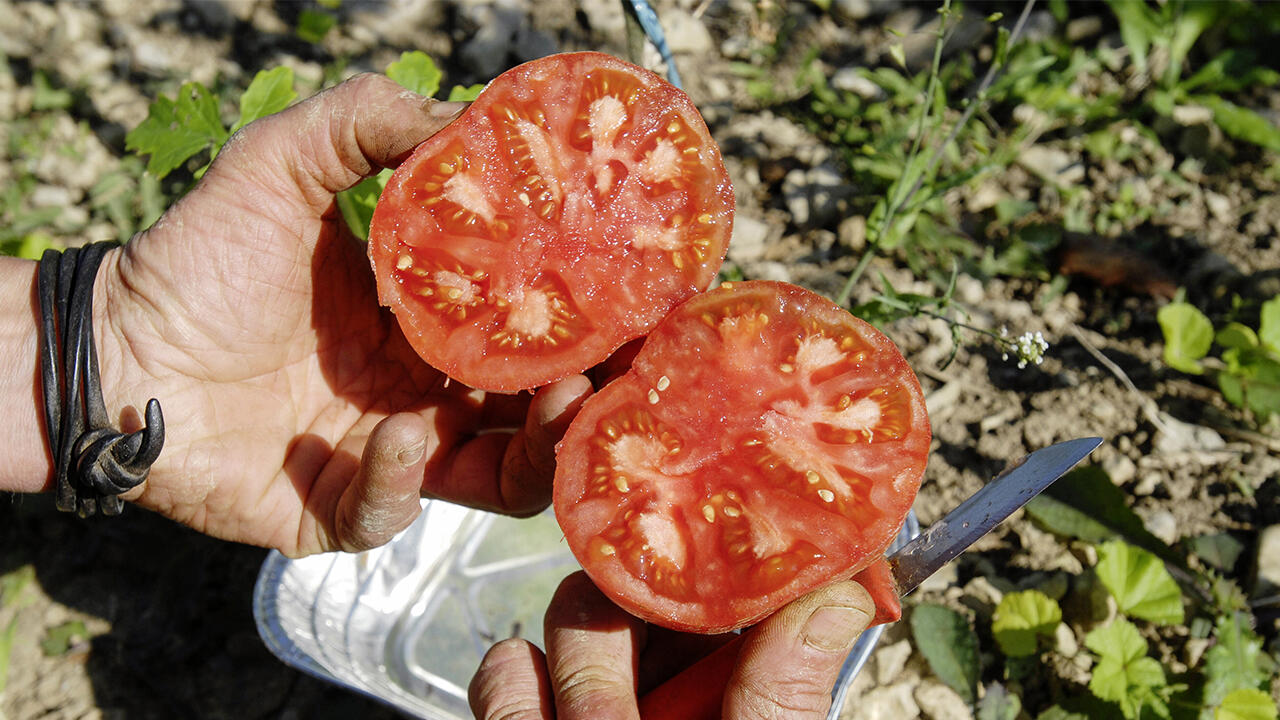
(574, 203)
(764, 442)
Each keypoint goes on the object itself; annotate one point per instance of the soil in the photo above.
(168, 629)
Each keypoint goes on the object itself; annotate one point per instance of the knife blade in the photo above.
(982, 511)
(695, 693)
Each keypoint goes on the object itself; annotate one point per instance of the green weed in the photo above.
(1248, 364)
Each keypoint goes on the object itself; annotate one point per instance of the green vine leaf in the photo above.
(176, 130)
(270, 92)
(1023, 617)
(1139, 582)
(416, 71)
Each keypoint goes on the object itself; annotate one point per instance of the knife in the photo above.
(909, 566)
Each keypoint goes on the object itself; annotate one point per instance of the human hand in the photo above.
(297, 416)
(600, 659)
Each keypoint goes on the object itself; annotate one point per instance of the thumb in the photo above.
(329, 142)
(382, 500)
(790, 662)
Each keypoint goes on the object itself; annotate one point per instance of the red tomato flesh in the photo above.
(765, 442)
(569, 208)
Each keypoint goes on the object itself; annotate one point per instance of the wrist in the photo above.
(25, 461)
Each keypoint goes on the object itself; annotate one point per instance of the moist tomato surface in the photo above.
(764, 442)
(572, 205)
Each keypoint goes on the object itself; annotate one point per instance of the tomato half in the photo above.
(571, 206)
(764, 442)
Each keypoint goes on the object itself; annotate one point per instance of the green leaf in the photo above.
(61, 638)
(358, 203)
(174, 131)
(1085, 505)
(950, 645)
(1021, 618)
(1269, 325)
(1139, 25)
(465, 93)
(14, 582)
(313, 25)
(1139, 582)
(1221, 550)
(1187, 336)
(416, 71)
(1238, 336)
(1241, 123)
(898, 54)
(1057, 712)
(7, 637)
(999, 704)
(1124, 674)
(1234, 661)
(45, 96)
(1247, 704)
(270, 92)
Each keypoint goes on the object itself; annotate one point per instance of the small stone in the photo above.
(891, 660)
(1163, 525)
(894, 702)
(814, 196)
(1266, 571)
(982, 589)
(1219, 206)
(852, 233)
(939, 702)
(1082, 28)
(1192, 115)
(686, 33)
(750, 239)
(852, 80)
(1053, 164)
(1065, 641)
(769, 270)
(1148, 483)
(1119, 468)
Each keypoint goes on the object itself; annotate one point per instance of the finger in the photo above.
(790, 662)
(592, 651)
(332, 140)
(530, 460)
(382, 500)
(512, 684)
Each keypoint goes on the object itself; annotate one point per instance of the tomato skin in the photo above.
(568, 209)
(764, 443)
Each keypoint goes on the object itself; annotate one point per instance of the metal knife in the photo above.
(986, 508)
(910, 565)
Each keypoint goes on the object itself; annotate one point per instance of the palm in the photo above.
(265, 343)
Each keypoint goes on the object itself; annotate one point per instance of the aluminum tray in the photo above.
(408, 623)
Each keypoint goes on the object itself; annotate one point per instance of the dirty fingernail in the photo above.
(446, 110)
(834, 628)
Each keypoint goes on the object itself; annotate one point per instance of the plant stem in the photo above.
(978, 100)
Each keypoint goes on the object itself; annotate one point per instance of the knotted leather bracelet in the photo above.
(94, 463)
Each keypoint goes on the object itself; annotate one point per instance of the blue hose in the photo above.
(649, 22)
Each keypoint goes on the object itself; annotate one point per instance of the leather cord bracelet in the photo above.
(94, 463)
